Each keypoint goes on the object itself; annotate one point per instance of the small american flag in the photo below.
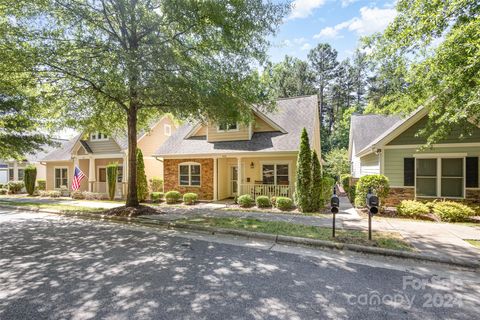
(77, 178)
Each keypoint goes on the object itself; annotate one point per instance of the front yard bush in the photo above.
(51, 194)
(345, 181)
(156, 184)
(190, 198)
(95, 196)
(263, 202)
(156, 197)
(15, 186)
(112, 174)
(29, 177)
(172, 196)
(284, 203)
(273, 201)
(42, 184)
(77, 195)
(452, 211)
(379, 185)
(412, 208)
(3, 191)
(245, 201)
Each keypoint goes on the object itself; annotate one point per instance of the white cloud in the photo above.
(371, 20)
(304, 8)
(306, 46)
(346, 3)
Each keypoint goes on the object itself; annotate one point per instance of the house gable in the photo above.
(260, 125)
(156, 136)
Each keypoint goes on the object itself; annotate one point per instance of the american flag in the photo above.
(77, 178)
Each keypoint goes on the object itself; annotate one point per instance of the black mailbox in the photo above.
(334, 202)
(372, 202)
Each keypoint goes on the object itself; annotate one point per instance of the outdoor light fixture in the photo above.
(252, 165)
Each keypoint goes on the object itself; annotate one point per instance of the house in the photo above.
(92, 152)
(219, 161)
(13, 170)
(389, 145)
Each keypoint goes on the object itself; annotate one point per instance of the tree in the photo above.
(117, 63)
(112, 174)
(435, 47)
(337, 163)
(142, 183)
(304, 174)
(316, 188)
(29, 178)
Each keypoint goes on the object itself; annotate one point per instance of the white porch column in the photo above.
(125, 175)
(215, 179)
(91, 174)
(15, 170)
(240, 175)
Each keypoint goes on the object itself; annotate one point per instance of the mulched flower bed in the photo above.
(131, 211)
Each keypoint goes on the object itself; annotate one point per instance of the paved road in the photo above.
(53, 267)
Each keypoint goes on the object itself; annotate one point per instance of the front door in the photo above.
(234, 181)
(102, 180)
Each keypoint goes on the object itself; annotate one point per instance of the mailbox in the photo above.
(334, 202)
(372, 202)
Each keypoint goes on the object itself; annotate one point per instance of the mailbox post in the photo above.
(334, 204)
(372, 205)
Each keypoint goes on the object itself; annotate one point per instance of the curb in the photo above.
(459, 262)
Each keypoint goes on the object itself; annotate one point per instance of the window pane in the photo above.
(21, 174)
(282, 169)
(232, 126)
(427, 167)
(195, 169)
(234, 173)
(452, 187)
(184, 170)
(222, 127)
(268, 173)
(427, 187)
(64, 172)
(282, 180)
(452, 167)
(195, 181)
(184, 181)
(102, 175)
(120, 174)
(10, 174)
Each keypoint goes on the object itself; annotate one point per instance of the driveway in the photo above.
(54, 267)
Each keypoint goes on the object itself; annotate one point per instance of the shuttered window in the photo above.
(472, 172)
(409, 172)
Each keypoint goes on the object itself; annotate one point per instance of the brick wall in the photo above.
(396, 195)
(472, 196)
(171, 179)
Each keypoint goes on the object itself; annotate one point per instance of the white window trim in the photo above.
(189, 164)
(94, 136)
(167, 130)
(229, 130)
(439, 158)
(55, 177)
(287, 162)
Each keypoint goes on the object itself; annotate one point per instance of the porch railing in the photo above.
(270, 190)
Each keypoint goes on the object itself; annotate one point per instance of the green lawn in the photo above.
(475, 243)
(389, 240)
(56, 206)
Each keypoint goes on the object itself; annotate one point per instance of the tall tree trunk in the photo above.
(132, 198)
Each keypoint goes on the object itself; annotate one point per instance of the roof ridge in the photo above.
(296, 97)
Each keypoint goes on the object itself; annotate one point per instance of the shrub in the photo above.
(412, 208)
(51, 194)
(29, 177)
(156, 196)
(64, 191)
(15, 186)
(345, 181)
(95, 196)
(304, 174)
(3, 191)
(190, 198)
(284, 203)
(112, 174)
(273, 201)
(142, 184)
(379, 185)
(263, 202)
(42, 184)
(245, 201)
(351, 193)
(316, 198)
(327, 188)
(156, 184)
(172, 196)
(78, 195)
(452, 211)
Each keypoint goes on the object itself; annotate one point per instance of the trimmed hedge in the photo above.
(15, 186)
(190, 198)
(412, 208)
(29, 178)
(245, 201)
(156, 197)
(452, 211)
(78, 195)
(379, 185)
(284, 203)
(3, 191)
(172, 196)
(263, 202)
(42, 184)
(345, 181)
(51, 194)
(156, 184)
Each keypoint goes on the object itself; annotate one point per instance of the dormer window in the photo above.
(98, 136)
(226, 127)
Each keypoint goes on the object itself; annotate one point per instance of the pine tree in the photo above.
(142, 184)
(112, 174)
(316, 188)
(304, 174)
(29, 177)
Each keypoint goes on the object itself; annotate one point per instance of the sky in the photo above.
(339, 22)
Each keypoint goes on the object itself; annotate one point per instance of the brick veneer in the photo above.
(396, 195)
(171, 182)
(472, 196)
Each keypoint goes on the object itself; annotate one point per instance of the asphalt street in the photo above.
(54, 267)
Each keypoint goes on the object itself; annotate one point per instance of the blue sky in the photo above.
(339, 22)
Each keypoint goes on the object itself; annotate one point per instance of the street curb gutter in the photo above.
(266, 236)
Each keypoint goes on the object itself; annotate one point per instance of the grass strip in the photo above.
(56, 206)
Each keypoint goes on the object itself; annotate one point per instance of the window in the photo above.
(275, 174)
(102, 174)
(98, 136)
(426, 177)
(21, 174)
(452, 178)
(189, 175)
(225, 127)
(440, 177)
(61, 177)
(409, 171)
(471, 164)
(120, 174)
(10, 174)
(167, 130)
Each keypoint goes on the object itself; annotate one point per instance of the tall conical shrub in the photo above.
(112, 175)
(316, 190)
(29, 178)
(142, 184)
(304, 174)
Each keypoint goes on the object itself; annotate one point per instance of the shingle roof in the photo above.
(292, 114)
(64, 152)
(366, 128)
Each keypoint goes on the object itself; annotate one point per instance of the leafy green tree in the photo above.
(117, 63)
(304, 174)
(336, 163)
(29, 178)
(434, 46)
(317, 200)
(112, 174)
(142, 183)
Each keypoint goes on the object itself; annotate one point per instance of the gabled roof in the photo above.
(64, 152)
(291, 116)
